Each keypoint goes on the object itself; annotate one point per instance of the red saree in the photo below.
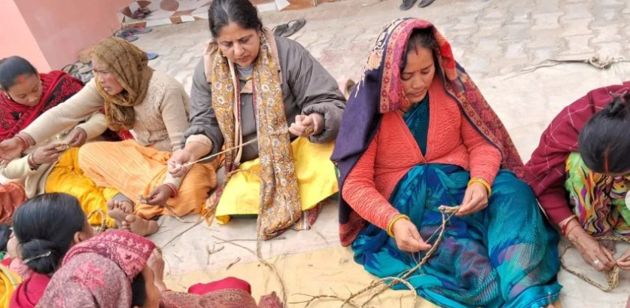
(57, 87)
(545, 172)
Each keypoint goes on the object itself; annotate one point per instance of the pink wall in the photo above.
(62, 28)
(17, 38)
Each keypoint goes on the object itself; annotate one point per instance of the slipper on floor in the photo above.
(294, 27)
(280, 29)
(407, 4)
(152, 55)
(425, 3)
(142, 30)
(127, 35)
(141, 13)
(86, 68)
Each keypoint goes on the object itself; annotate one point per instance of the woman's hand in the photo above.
(475, 199)
(47, 154)
(407, 237)
(176, 164)
(159, 196)
(593, 252)
(624, 261)
(306, 126)
(77, 138)
(11, 149)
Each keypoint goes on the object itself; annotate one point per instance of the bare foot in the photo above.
(140, 226)
(118, 210)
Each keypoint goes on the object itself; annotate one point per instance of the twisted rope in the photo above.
(612, 276)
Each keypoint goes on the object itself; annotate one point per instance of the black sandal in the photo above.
(295, 27)
(407, 4)
(425, 3)
(280, 29)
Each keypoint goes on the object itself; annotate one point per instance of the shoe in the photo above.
(407, 4)
(294, 27)
(425, 3)
(280, 29)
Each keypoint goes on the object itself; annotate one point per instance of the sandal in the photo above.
(280, 29)
(152, 55)
(425, 3)
(295, 27)
(127, 35)
(142, 30)
(141, 13)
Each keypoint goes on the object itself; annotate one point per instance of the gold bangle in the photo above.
(482, 182)
(396, 218)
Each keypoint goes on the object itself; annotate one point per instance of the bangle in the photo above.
(393, 221)
(174, 190)
(569, 231)
(482, 182)
(25, 144)
(563, 228)
(32, 163)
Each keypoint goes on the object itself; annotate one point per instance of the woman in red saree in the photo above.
(580, 173)
(48, 167)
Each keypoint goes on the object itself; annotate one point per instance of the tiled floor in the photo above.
(492, 39)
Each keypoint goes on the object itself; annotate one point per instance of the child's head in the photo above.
(604, 141)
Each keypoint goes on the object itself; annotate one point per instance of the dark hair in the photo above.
(604, 144)
(138, 291)
(419, 38)
(13, 67)
(242, 12)
(47, 223)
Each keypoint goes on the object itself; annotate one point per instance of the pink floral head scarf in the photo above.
(98, 273)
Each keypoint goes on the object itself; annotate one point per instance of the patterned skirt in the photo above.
(503, 256)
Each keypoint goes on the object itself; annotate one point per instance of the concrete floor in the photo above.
(492, 39)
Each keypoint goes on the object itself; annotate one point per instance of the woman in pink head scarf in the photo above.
(112, 271)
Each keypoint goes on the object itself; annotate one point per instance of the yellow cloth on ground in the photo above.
(8, 283)
(315, 174)
(135, 171)
(67, 177)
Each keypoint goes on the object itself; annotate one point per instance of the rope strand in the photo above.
(217, 154)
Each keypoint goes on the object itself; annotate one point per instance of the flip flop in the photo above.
(425, 3)
(141, 13)
(280, 29)
(127, 35)
(152, 55)
(295, 27)
(86, 69)
(407, 4)
(142, 30)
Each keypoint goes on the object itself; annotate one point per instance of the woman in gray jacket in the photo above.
(275, 109)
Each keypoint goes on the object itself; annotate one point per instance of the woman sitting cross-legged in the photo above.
(275, 108)
(155, 108)
(417, 135)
